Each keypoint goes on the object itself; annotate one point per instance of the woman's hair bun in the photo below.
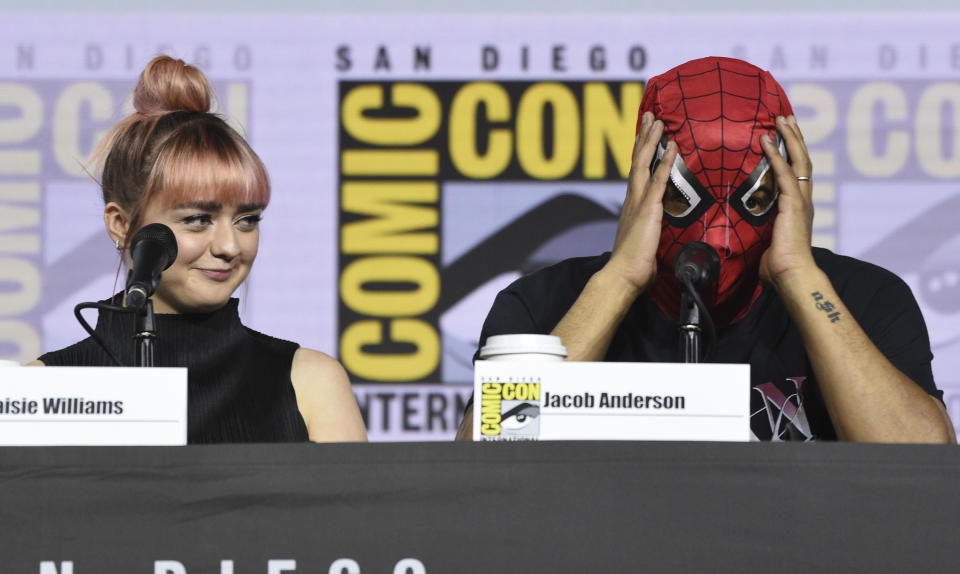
(169, 85)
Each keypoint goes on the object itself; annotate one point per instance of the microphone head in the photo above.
(153, 249)
(160, 235)
(698, 262)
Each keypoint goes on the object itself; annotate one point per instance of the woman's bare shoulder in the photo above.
(325, 398)
(313, 360)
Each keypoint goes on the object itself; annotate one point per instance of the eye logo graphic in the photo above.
(510, 411)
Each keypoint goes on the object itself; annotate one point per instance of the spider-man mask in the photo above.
(722, 190)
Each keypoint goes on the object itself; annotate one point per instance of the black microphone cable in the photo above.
(711, 344)
(153, 249)
(90, 331)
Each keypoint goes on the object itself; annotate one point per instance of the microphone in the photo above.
(153, 249)
(696, 265)
(697, 262)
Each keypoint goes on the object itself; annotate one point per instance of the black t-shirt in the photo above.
(786, 403)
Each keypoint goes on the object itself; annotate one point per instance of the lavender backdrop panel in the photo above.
(878, 97)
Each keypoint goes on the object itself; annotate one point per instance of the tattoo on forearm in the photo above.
(826, 306)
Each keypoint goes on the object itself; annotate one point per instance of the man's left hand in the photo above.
(867, 396)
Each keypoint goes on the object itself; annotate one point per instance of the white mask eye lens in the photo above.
(684, 198)
(681, 198)
(676, 202)
(759, 201)
(763, 194)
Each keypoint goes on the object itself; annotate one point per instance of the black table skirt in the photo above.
(494, 507)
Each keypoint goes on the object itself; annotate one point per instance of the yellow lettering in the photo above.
(533, 392)
(464, 119)
(391, 131)
(392, 228)
(819, 126)
(16, 217)
(490, 408)
(533, 158)
(390, 367)
(520, 392)
(19, 129)
(401, 218)
(19, 191)
(20, 243)
(420, 275)
(930, 127)
(13, 217)
(398, 162)
(609, 126)
(860, 130)
(26, 278)
(24, 336)
(66, 123)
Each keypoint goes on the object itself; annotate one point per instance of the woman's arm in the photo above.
(325, 398)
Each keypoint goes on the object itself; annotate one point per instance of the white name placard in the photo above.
(93, 406)
(610, 401)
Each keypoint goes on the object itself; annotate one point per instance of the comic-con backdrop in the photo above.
(420, 163)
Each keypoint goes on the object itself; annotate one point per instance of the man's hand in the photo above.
(634, 257)
(588, 326)
(867, 397)
(789, 251)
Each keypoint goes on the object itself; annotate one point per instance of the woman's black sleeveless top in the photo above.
(239, 387)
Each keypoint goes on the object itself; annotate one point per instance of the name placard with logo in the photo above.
(93, 406)
(525, 400)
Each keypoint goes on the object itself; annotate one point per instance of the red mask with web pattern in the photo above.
(716, 109)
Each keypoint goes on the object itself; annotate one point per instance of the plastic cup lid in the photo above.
(511, 344)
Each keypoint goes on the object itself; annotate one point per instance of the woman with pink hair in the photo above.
(174, 162)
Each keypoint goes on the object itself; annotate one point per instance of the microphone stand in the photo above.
(146, 332)
(690, 331)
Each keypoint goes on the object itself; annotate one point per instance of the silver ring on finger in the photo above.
(803, 178)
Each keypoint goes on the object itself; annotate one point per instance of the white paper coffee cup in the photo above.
(523, 348)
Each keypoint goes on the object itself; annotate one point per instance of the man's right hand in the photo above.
(634, 258)
(589, 325)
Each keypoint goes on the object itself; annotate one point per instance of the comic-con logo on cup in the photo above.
(512, 410)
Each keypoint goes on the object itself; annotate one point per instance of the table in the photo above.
(480, 507)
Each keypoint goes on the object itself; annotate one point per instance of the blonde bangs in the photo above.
(198, 171)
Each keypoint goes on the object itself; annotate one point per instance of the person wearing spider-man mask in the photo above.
(838, 348)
